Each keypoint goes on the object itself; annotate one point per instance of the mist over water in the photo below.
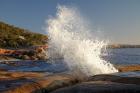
(70, 38)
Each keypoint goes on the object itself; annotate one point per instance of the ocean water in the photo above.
(122, 56)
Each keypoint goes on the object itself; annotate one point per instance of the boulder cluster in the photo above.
(34, 53)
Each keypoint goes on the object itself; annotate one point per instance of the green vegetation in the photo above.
(15, 37)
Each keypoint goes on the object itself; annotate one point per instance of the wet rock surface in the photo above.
(28, 82)
(40, 77)
(100, 87)
(104, 84)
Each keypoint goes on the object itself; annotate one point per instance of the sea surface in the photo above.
(122, 56)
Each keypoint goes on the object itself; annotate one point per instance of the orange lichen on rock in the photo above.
(128, 68)
(6, 51)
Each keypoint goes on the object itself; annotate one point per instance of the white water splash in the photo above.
(69, 37)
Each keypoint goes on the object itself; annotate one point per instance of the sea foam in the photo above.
(69, 37)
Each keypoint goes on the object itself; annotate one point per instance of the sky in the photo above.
(117, 20)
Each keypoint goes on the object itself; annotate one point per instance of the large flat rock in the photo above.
(104, 84)
(100, 87)
(33, 82)
(14, 81)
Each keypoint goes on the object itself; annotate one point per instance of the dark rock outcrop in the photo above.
(104, 84)
(100, 87)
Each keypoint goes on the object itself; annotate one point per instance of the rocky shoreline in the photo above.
(25, 75)
(32, 53)
(43, 82)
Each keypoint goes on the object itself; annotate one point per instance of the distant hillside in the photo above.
(123, 46)
(15, 37)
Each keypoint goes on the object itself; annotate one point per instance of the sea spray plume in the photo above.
(68, 37)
